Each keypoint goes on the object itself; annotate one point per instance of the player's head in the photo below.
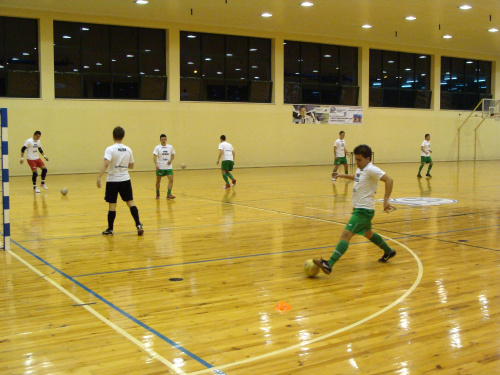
(302, 110)
(118, 133)
(362, 155)
(427, 137)
(163, 139)
(222, 137)
(342, 134)
(37, 135)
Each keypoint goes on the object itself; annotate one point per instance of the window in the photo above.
(225, 68)
(464, 82)
(109, 62)
(399, 79)
(321, 73)
(19, 66)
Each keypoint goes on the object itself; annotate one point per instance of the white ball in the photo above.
(64, 191)
(183, 166)
(310, 269)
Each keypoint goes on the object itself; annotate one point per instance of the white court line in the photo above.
(151, 352)
(309, 342)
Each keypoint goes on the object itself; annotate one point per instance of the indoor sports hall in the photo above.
(216, 283)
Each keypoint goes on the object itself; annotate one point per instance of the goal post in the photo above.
(5, 180)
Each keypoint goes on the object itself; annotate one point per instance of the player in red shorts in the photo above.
(34, 147)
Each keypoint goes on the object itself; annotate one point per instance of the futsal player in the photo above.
(119, 159)
(365, 186)
(163, 156)
(340, 152)
(425, 156)
(34, 147)
(226, 151)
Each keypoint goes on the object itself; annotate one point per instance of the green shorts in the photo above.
(361, 221)
(164, 172)
(339, 161)
(227, 165)
(425, 159)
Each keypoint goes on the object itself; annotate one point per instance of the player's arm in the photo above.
(43, 154)
(131, 165)
(234, 157)
(334, 153)
(389, 182)
(155, 160)
(423, 150)
(220, 154)
(22, 154)
(104, 166)
(172, 157)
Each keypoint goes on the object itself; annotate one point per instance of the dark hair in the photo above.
(363, 150)
(118, 133)
(223, 137)
(427, 135)
(163, 135)
(340, 132)
(302, 106)
(38, 132)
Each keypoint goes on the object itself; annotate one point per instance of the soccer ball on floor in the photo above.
(310, 269)
(64, 191)
(183, 166)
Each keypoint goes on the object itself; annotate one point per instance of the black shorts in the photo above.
(122, 187)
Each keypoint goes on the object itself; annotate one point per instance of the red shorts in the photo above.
(34, 164)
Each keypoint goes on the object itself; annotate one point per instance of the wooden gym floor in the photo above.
(215, 285)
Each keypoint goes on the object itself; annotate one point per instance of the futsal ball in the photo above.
(183, 166)
(64, 191)
(310, 269)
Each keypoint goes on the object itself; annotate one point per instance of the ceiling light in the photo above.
(465, 7)
(191, 36)
(469, 62)
(493, 30)
(141, 2)
(265, 15)
(411, 18)
(366, 26)
(447, 37)
(307, 4)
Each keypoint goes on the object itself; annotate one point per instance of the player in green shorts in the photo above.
(226, 151)
(339, 153)
(163, 156)
(425, 156)
(365, 186)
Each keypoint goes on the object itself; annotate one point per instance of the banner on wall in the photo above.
(327, 114)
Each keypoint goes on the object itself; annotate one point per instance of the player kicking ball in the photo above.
(366, 181)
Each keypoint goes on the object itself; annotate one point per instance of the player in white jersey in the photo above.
(163, 156)
(365, 186)
(226, 151)
(119, 159)
(34, 148)
(339, 153)
(425, 156)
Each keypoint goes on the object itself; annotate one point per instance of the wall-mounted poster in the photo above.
(327, 114)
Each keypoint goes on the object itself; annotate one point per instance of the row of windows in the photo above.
(118, 62)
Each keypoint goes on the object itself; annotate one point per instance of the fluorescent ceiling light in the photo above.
(366, 26)
(141, 2)
(493, 30)
(465, 7)
(265, 15)
(307, 4)
(447, 37)
(410, 18)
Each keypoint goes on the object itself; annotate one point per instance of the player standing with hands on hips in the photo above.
(34, 147)
(163, 156)
(227, 152)
(119, 159)
(425, 155)
(339, 152)
(365, 186)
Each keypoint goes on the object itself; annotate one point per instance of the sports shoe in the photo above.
(36, 190)
(386, 257)
(108, 232)
(227, 186)
(157, 196)
(234, 182)
(44, 186)
(419, 175)
(170, 196)
(324, 265)
(428, 175)
(140, 231)
(334, 179)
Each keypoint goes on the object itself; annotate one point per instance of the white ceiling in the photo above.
(340, 19)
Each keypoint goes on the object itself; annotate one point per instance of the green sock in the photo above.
(224, 176)
(157, 192)
(347, 171)
(230, 176)
(338, 252)
(379, 241)
(430, 167)
(420, 169)
(169, 192)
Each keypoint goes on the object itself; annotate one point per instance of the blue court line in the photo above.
(127, 315)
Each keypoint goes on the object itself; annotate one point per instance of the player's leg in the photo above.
(379, 241)
(335, 168)
(340, 249)
(128, 197)
(111, 196)
(44, 174)
(33, 179)
(346, 168)
(430, 167)
(229, 169)
(422, 163)
(158, 182)
(224, 174)
(170, 176)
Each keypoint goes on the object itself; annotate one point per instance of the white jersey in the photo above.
(32, 149)
(339, 148)
(164, 154)
(365, 186)
(227, 150)
(119, 156)
(426, 145)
